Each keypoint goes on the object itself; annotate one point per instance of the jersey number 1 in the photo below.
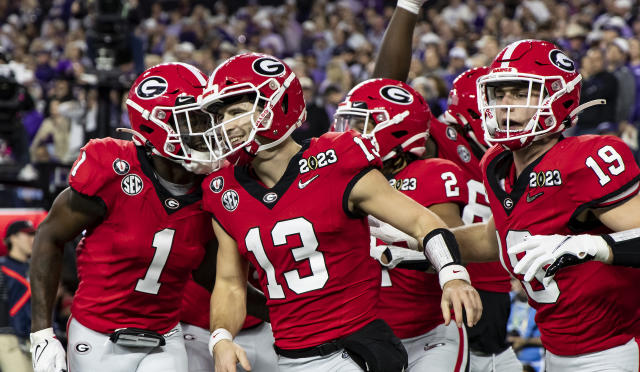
(162, 242)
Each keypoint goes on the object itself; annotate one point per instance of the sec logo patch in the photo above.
(132, 184)
(230, 200)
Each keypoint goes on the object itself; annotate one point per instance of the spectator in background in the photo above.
(51, 142)
(15, 269)
(574, 42)
(617, 54)
(597, 83)
(634, 65)
(524, 334)
(457, 65)
(318, 121)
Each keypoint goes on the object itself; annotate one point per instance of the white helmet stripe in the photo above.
(508, 52)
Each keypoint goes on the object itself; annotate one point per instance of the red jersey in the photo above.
(196, 305)
(311, 253)
(588, 307)
(133, 266)
(410, 300)
(486, 276)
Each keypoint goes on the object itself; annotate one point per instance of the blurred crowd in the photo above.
(49, 61)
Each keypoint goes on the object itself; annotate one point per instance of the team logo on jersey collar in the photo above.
(216, 184)
(132, 184)
(508, 203)
(451, 133)
(270, 197)
(230, 200)
(121, 167)
(172, 203)
(463, 153)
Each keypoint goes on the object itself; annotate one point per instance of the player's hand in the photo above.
(47, 353)
(227, 354)
(458, 294)
(557, 251)
(411, 5)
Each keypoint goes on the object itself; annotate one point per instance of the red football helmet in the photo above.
(275, 91)
(463, 105)
(165, 115)
(390, 113)
(544, 69)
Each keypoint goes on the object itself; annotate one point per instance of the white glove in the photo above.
(411, 5)
(47, 353)
(390, 234)
(558, 251)
(393, 255)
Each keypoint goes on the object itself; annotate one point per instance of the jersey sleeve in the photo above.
(89, 174)
(356, 157)
(605, 174)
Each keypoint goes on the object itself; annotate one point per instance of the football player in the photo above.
(255, 337)
(397, 118)
(541, 183)
(461, 140)
(298, 214)
(139, 205)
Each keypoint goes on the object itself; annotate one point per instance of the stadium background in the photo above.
(66, 65)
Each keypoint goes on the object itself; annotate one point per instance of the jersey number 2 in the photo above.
(308, 251)
(162, 242)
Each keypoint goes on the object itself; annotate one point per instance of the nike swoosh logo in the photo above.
(531, 198)
(302, 185)
(35, 352)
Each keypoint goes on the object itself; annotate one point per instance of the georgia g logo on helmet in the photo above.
(151, 87)
(396, 94)
(268, 67)
(561, 61)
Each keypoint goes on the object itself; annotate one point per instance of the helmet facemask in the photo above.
(530, 92)
(259, 114)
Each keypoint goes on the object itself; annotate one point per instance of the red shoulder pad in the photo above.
(98, 162)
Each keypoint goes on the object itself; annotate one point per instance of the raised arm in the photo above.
(228, 304)
(394, 57)
(70, 214)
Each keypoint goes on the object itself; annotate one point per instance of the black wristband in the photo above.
(626, 250)
(441, 248)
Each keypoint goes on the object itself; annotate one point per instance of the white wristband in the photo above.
(451, 272)
(412, 6)
(217, 336)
